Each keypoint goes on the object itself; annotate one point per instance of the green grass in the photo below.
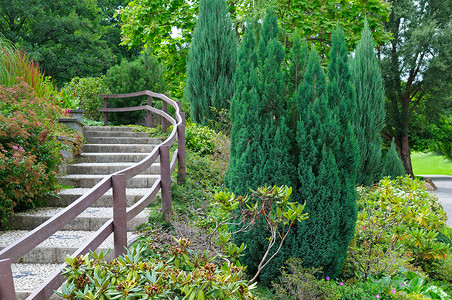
(430, 164)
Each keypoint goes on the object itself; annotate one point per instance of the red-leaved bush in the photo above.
(29, 151)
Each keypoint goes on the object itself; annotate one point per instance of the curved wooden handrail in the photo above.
(117, 182)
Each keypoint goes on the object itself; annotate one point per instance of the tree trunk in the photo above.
(405, 155)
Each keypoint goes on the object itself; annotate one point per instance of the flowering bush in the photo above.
(29, 154)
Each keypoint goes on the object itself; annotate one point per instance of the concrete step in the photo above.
(111, 157)
(122, 140)
(28, 277)
(107, 128)
(62, 243)
(124, 148)
(90, 220)
(88, 181)
(66, 197)
(115, 134)
(107, 168)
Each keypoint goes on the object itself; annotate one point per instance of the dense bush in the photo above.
(399, 222)
(148, 272)
(85, 92)
(144, 73)
(200, 139)
(29, 154)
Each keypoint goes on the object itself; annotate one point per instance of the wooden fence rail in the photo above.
(117, 181)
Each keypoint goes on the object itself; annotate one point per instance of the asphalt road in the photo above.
(444, 193)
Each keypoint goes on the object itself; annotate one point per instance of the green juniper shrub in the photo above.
(393, 165)
(29, 151)
(144, 73)
(211, 62)
(86, 91)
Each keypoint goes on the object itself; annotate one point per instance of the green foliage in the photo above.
(86, 92)
(199, 139)
(64, 37)
(29, 154)
(148, 273)
(398, 221)
(417, 74)
(211, 62)
(393, 166)
(370, 115)
(296, 282)
(144, 73)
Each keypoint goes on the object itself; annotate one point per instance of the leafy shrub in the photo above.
(144, 73)
(29, 154)
(200, 139)
(398, 222)
(86, 92)
(147, 272)
(298, 282)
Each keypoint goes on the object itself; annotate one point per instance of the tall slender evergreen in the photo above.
(393, 165)
(211, 61)
(260, 139)
(370, 114)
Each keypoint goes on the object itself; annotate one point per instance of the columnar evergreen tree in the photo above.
(260, 143)
(211, 62)
(327, 162)
(370, 114)
(393, 165)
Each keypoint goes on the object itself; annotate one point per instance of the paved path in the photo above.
(444, 193)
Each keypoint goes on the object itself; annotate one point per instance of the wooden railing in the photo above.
(117, 181)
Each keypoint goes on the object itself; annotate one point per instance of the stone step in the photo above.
(28, 277)
(106, 168)
(90, 220)
(122, 140)
(111, 157)
(62, 243)
(66, 197)
(124, 148)
(108, 128)
(115, 134)
(88, 181)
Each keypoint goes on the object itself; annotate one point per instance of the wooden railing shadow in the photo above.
(117, 181)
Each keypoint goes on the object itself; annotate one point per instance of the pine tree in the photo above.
(370, 114)
(211, 62)
(260, 139)
(393, 165)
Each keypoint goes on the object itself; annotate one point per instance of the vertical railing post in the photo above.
(181, 148)
(6, 280)
(105, 113)
(119, 213)
(149, 114)
(165, 170)
(164, 108)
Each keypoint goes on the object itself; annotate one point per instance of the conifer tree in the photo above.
(211, 62)
(260, 139)
(393, 165)
(370, 114)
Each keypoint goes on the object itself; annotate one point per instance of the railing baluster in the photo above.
(164, 108)
(105, 113)
(6, 280)
(165, 170)
(149, 114)
(119, 213)
(181, 150)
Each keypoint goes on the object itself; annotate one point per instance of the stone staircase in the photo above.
(107, 150)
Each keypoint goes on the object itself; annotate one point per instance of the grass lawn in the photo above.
(430, 164)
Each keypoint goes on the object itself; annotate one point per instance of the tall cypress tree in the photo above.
(260, 139)
(211, 61)
(370, 114)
